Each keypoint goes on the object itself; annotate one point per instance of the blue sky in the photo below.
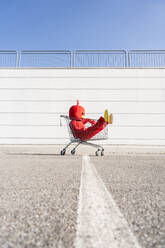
(85, 24)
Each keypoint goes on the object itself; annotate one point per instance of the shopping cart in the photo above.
(102, 135)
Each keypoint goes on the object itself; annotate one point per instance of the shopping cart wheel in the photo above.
(63, 152)
(73, 151)
(102, 153)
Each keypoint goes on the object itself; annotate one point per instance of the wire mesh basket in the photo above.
(102, 135)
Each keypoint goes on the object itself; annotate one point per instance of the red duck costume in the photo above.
(77, 123)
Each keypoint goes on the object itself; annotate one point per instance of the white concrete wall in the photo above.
(31, 101)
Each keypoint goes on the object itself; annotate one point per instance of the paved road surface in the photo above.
(40, 200)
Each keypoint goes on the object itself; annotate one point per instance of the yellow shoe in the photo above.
(110, 119)
(106, 115)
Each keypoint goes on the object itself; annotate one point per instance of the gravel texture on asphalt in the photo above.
(38, 200)
(137, 184)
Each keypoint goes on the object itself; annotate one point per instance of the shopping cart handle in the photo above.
(64, 116)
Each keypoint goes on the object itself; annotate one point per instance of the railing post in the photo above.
(128, 59)
(71, 60)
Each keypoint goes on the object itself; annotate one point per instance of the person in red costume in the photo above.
(78, 121)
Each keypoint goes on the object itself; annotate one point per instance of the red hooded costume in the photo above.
(77, 123)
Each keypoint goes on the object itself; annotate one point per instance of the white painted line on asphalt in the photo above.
(100, 223)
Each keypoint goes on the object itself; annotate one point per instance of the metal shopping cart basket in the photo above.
(102, 135)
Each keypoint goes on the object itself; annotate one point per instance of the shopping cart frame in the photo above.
(103, 135)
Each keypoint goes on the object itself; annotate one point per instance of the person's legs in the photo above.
(89, 132)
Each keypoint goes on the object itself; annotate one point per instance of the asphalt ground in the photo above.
(38, 200)
(39, 195)
(137, 184)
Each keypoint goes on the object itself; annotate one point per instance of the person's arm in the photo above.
(89, 121)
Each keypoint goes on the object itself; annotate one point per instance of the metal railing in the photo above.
(51, 58)
(8, 58)
(146, 58)
(100, 58)
(82, 59)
